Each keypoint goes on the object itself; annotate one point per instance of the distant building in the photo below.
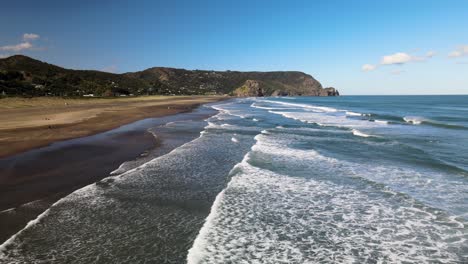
(88, 95)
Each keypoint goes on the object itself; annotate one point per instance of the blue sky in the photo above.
(359, 47)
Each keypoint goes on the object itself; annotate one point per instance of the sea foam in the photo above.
(265, 216)
(360, 134)
(415, 120)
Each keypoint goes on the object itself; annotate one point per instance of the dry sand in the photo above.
(30, 123)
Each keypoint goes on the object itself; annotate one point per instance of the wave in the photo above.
(226, 111)
(415, 120)
(386, 117)
(255, 105)
(270, 214)
(10, 241)
(442, 125)
(381, 121)
(88, 188)
(412, 120)
(408, 180)
(349, 113)
(195, 253)
(323, 109)
(328, 120)
(360, 134)
(264, 188)
(336, 120)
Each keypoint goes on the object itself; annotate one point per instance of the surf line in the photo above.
(4, 246)
(195, 253)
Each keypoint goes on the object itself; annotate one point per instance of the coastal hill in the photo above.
(24, 76)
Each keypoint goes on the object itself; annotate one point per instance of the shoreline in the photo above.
(38, 122)
(32, 181)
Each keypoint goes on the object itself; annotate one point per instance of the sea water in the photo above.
(352, 179)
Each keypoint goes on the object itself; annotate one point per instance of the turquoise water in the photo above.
(364, 179)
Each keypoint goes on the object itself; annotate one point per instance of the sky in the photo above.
(359, 47)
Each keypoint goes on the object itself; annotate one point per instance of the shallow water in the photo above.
(279, 180)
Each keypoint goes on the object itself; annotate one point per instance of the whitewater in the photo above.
(278, 180)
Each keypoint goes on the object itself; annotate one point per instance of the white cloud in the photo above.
(30, 36)
(397, 58)
(25, 45)
(368, 67)
(402, 58)
(459, 52)
(17, 47)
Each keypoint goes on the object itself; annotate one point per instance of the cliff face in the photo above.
(329, 91)
(21, 75)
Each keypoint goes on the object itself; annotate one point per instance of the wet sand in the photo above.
(31, 181)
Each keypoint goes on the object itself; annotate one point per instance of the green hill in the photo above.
(24, 76)
(21, 75)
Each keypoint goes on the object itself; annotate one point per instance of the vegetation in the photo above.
(24, 76)
(21, 75)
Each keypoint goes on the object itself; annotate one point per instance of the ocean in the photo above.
(350, 179)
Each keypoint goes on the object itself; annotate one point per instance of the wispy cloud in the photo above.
(368, 67)
(402, 58)
(30, 36)
(459, 52)
(398, 58)
(26, 44)
(17, 47)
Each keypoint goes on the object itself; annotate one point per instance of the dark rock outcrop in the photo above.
(329, 91)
